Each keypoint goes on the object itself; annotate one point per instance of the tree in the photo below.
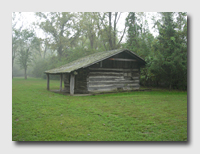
(108, 29)
(90, 38)
(132, 32)
(139, 38)
(60, 27)
(24, 52)
(15, 37)
(170, 53)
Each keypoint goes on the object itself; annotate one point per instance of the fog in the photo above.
(43, 41)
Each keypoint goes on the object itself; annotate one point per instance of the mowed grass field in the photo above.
(41, 115)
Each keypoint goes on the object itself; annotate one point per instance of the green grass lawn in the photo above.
(41, 115)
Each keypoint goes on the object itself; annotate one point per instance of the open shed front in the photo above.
(101, 72)
(69, 82)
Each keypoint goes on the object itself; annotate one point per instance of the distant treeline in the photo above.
(69, 36)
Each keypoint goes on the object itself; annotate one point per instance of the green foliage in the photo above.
(24, 58)
(16, 32)
(43, 65)
(39, 68)
(88, 27)
(60, 26)
(41, 115)
(170, 57)
(166, 55)
(17, 72)
(139, 38)
(69, 36)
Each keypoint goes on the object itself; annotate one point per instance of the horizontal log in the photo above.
(127, 73)
(105, 77)
(118, 78)
(114, 69)
(101, 90)
(113, 74)
(113, 86)
(122, 59)
(112, 82)
(111, 79)
(106, 73)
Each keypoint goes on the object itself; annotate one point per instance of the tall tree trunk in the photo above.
(115, 23)
(110, 32)
(12, 66)
(101, 34)
(170, 84)
(25, 75)
(60, 51)
(122, 36)
(91, 38)
(13, 57)
(91, 44)
(45, 49)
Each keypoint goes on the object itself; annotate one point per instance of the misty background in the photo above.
(45, 40)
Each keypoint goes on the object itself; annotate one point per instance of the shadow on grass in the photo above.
(101, 143)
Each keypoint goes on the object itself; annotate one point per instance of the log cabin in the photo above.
(107, 71)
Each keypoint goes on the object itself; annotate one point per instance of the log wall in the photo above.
(120, 72)
(81, 81)
(66, 82)
(105, 79)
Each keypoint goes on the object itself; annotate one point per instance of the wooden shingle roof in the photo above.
(90, 60)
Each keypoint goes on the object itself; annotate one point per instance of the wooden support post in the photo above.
(60, 82)
(100, 63)
(47, 81)
(139, 77)
(72, 79)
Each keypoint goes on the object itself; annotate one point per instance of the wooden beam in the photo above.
(47, 81)
(60, 82)
(139, 75)
(101, 63)
(113, 87)
(94, 83)
(122, 59)
(106, 77)
(106, 73)
(72, 79)
(113, 69)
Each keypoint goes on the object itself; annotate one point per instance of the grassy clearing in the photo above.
(41, 115)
